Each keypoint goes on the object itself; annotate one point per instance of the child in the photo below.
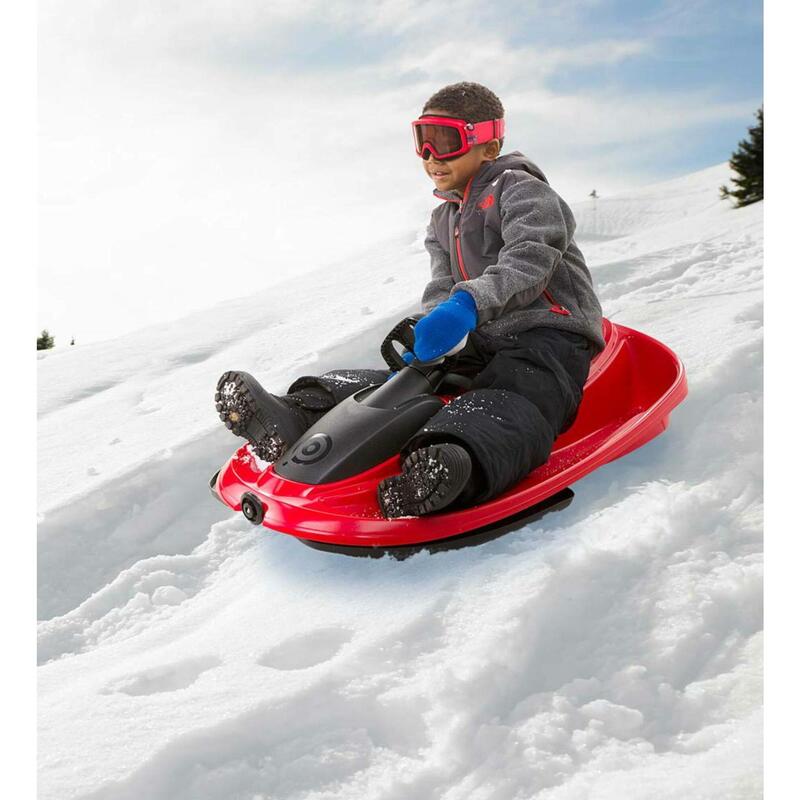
(506, 277)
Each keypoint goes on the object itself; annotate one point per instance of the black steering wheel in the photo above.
(403, 334)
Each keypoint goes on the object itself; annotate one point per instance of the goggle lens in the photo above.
(444, 139)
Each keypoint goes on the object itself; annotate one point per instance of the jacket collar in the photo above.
(452, 196)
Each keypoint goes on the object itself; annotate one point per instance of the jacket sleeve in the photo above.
(536, 226)
(438, 289)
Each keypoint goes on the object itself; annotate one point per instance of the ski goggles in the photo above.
(445, 137)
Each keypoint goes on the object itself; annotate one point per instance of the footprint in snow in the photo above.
(115, 440)
(306, 649)
(92, 472)
(166, 678)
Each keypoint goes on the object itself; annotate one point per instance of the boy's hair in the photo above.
(469, 101)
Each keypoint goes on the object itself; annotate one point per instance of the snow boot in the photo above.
(432, 478)
(268, 422)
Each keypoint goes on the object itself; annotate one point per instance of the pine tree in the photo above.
(45, 341)
(748, 163)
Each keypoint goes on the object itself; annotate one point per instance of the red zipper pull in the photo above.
(555, 308)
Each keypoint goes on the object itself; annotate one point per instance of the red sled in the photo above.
(323, 491)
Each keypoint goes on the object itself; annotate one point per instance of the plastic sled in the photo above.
(323, 490)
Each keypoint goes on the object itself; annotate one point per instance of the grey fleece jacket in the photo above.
(508, 242)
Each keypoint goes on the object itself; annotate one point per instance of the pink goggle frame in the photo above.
(446, 137)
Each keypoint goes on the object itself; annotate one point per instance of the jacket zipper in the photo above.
(458, 254)
(556, 308)
(456, 231)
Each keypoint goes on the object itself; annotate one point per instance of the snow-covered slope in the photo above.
(610, 651)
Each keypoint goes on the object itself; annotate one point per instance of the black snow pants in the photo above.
(526, 390)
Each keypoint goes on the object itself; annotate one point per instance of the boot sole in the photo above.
(244, 415)
(431, 479)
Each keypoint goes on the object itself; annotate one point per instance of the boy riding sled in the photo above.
(508, 282)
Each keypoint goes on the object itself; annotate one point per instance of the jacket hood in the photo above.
(515, 160)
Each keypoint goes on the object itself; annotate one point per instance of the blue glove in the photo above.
(441, 330)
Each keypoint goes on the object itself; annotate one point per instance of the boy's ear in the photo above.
(491, 150)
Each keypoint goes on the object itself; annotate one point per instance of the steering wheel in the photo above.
(403, 334)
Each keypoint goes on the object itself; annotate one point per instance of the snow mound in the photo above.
(677, 200)
(611, 650)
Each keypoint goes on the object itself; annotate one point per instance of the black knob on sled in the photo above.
(252, 508)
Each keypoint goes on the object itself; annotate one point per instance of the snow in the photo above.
(610, 650)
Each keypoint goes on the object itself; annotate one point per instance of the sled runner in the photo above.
(323, 490)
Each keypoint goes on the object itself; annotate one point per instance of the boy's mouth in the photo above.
(436, 174)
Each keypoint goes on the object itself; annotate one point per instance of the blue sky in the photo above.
(181, 140)
(704, 48)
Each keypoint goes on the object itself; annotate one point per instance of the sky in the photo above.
(196, 151)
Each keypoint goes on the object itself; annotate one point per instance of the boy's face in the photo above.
(455, 173)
